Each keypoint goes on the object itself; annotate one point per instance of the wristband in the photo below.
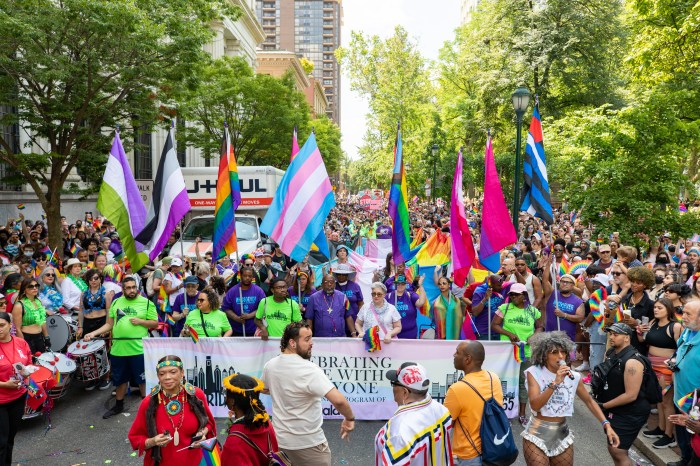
(350, 420)
(603, 423)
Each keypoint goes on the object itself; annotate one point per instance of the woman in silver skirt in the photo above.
(551, 387)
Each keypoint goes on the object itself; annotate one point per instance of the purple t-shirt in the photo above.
(328, 323)
(406, 305)
(567, 305)
(182, 302)
(251, 298)
(294, 294)
(354, 294)
(383, 232)
(482, 320)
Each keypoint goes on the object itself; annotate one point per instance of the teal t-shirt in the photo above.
(216, 323)
(122, 310)
(519, 321)
(278, 315)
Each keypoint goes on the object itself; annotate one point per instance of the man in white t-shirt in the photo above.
(174, 281)
(297, 386)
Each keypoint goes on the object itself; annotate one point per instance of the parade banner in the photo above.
(359, 375)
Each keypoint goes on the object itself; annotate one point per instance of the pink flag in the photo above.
(497, 229)
(295, 145)
(460, 236)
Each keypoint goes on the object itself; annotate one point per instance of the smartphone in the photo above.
(197, 438)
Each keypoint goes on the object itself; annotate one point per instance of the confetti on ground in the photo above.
(91, 427)
(108, 461)
(133, 454)
(127, 414)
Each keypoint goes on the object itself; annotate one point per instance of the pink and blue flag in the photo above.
(461, 238)
(295, 145)
(301, 204)
(497, 229)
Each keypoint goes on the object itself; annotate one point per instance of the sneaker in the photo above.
(114, 393)
(104, 385)
(113, 412)
(90, 386)
(587, 379)
(523, 420)
(655, 433)
(664, 442)
(583, 367)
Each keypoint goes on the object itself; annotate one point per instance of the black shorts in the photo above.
(627, 427)
(90, 325)
(127, 369)
(36, 342)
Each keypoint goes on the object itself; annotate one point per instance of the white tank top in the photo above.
(561, 403)
(528, 285)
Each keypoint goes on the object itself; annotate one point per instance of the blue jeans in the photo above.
(597, 350)
(470, 462)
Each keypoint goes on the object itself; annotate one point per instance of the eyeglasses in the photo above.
(617, 274)
(32, 286)
(377, 294)
(201, 300)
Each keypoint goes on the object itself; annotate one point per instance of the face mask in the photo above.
(662, 260)
(658, 280)
(29, 253)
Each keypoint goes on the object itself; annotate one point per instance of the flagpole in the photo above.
(488, 316)
(554, 273)
(240, 289)
(182, 244)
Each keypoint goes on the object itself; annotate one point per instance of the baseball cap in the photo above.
(191, 280)
(517, 288)
(569, 276)
(602, 279)
(401, 278)
(176, 262)
(410, 375)
(620, 329)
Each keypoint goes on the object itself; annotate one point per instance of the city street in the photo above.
(81, 437)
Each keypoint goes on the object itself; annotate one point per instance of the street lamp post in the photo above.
(433, 183)
(521, 99)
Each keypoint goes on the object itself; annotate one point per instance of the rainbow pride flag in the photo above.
(74, 249)
(685, 403)
(398, 207)
(211, 457)
(618, 314)
(21, 207)
(564, 266)
(228, 198)
(519, 351)
(169, 319)
(436, 250)
(193, 335)
(372, 340)
(597, 303)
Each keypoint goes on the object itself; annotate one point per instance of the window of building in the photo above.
(10, 133)
(143, 158)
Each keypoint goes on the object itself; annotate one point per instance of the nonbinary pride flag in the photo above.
(536, 199)
(398, 207)
(460, 237)
(228, 198)
(120, 202)
(497, 229)
(301, 204)
(169, 205)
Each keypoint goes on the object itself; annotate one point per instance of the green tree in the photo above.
(261, 112)
(393, 76)
(74, 68)
(328, 140)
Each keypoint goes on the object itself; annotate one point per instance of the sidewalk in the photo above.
(660, 457)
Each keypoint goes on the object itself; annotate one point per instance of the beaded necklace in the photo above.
(173, 407)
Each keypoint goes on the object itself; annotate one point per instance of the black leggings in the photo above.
(36, 342)
(10, 418)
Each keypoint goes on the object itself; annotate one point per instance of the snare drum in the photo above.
(63, 367)
(72, 326)
(91, 358)
(59, 332)
(44, 378)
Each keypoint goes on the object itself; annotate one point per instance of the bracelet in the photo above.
(350, 420)
(603, 423)
(553, 386)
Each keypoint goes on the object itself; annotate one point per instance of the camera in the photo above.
(673, 366)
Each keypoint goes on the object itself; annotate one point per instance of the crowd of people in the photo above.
(573, 299)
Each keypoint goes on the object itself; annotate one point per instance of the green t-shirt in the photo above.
(122, 310)
(216, 322)
(278, 315)
(519, 321)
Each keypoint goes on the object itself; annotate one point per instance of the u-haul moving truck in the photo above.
(258, 187)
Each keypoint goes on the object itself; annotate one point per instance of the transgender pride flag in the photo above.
(301, 204)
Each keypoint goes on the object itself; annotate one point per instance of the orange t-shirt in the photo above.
(466, 408)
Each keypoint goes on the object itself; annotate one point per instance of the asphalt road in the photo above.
(81, 437)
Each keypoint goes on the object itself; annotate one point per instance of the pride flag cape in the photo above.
(460, 236)
(228, 198)
(398, 207)
(497, 229)
(597, 303)
(301, 204)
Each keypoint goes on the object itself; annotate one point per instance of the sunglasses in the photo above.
(201, 300)
(49, 274)
(617, 274)
(3, 303)
(566, 282)
(604, 252)
(377, 294)
(558, 249)
(95, 278)
(32, 287)
(515, 295)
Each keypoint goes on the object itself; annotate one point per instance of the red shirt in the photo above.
(15, 350)
(238, 453)
(189, 428)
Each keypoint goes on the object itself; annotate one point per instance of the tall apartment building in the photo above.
(466, 9)
(311, 29)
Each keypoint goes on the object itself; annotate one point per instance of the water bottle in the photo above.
(694, 415)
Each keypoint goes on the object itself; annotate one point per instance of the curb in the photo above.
(660, 457)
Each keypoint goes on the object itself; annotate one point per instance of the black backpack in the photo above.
(650, 384)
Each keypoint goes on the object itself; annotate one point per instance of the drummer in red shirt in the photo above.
(168, 420)
(12, 393)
